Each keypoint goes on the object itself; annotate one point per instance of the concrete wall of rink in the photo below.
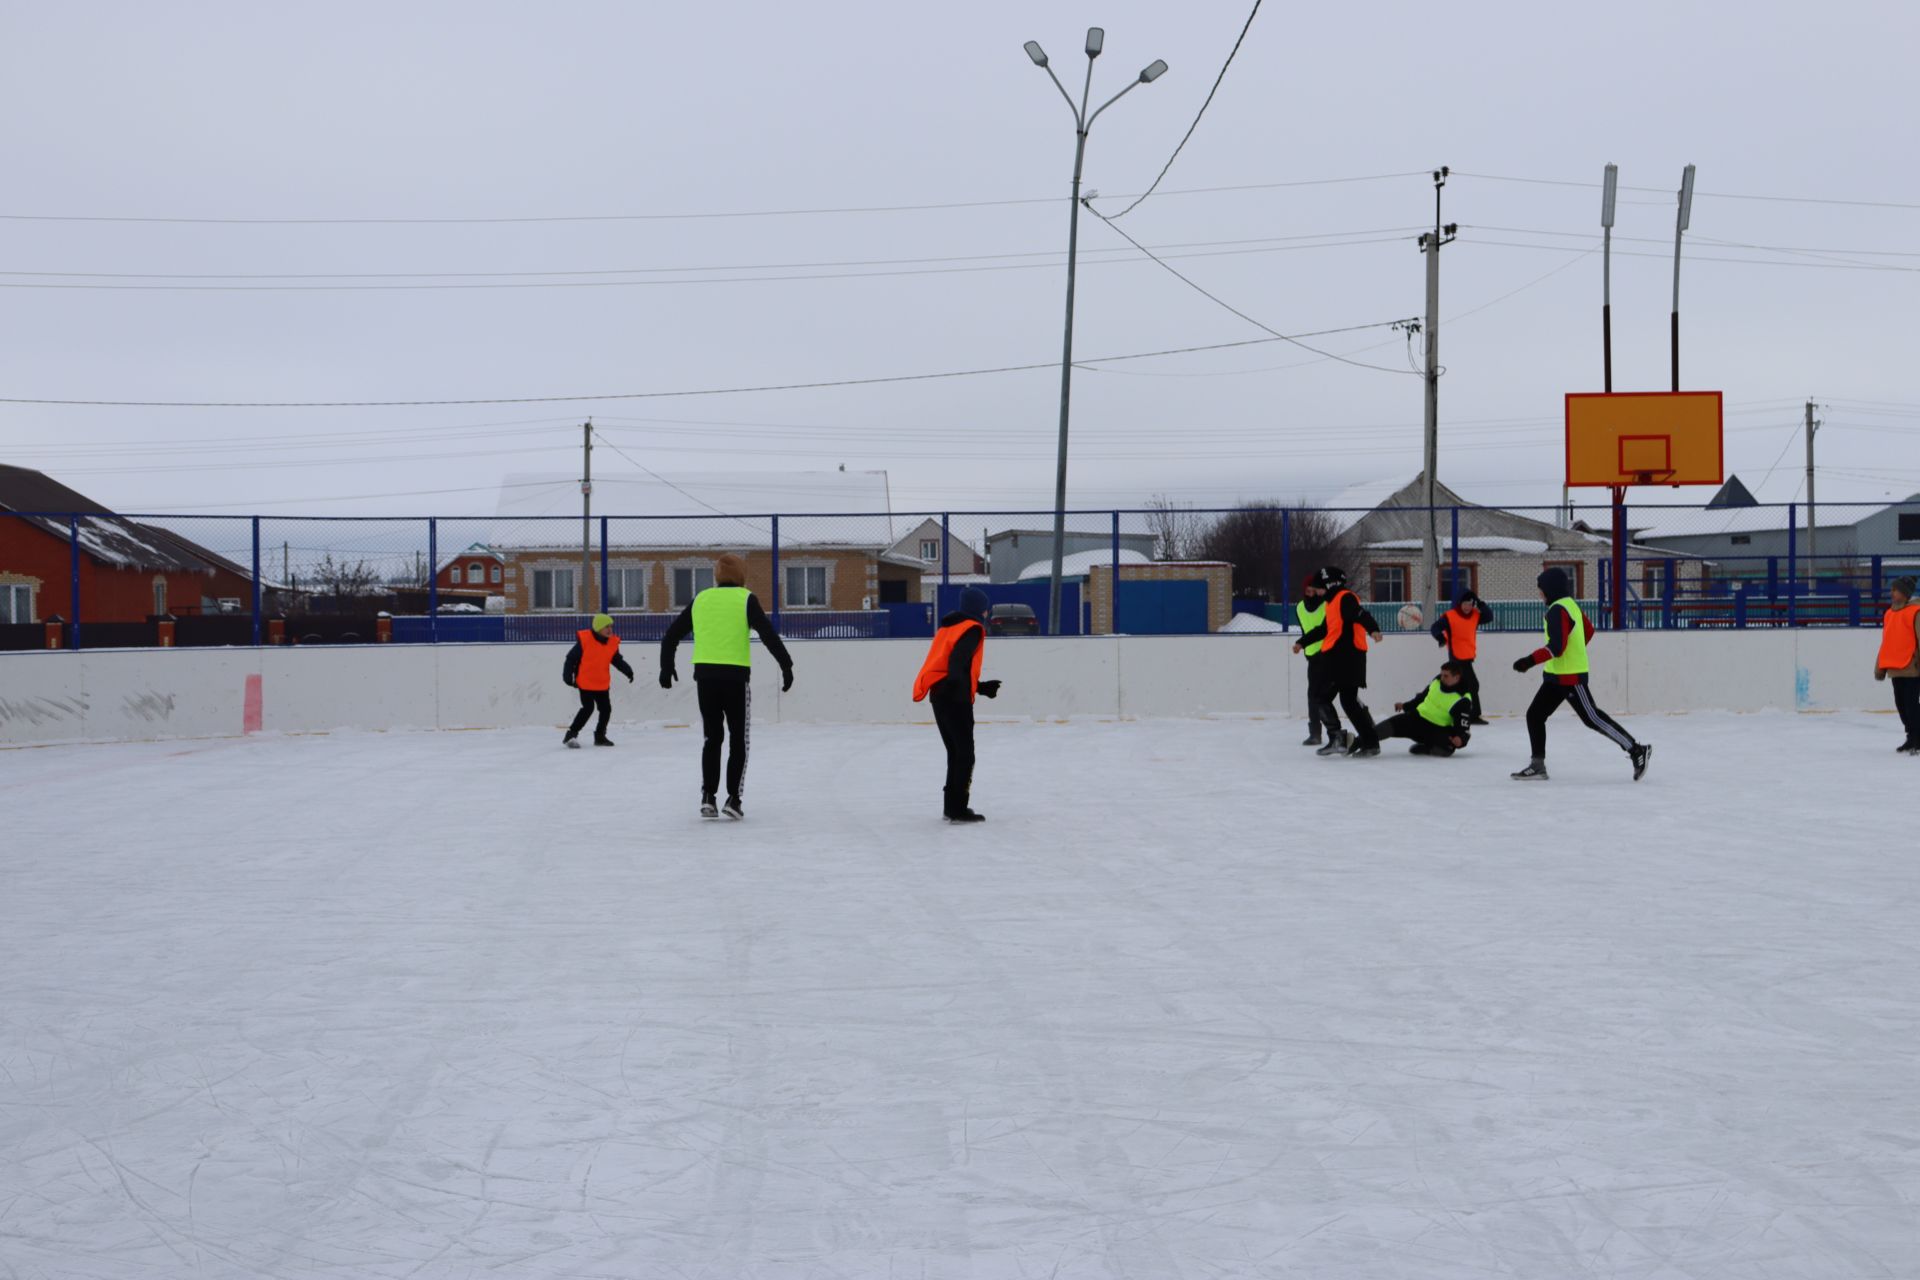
(142, 694)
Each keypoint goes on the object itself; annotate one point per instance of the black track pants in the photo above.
(725, 711)
(1906, 700)
(1364, 734)
(1548, 700)
(592, 700)
(955, 719)
(1320, 694)
(1411, 724)
(1470, 685)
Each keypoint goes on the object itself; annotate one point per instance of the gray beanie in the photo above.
(1904, 585)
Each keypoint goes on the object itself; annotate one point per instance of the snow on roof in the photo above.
(708, 509)
(1081, 563)
(1694, 522)
(1252, 624)
(1349, 505)
(1518, 546)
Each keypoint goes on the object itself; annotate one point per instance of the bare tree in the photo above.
(1176, 530)
(345, 578)
(1268, 542)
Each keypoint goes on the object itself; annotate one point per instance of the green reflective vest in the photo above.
(1309, 619)
(1438, 704)
(720, 627)
(1572, 662)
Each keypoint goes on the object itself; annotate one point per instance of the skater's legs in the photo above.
(1363, 730)
(1320, 694)
(738, 704)
(1906, 700)
(955, 720)
(1470, 685)
(712, 726)
(1544, 704)
(586, 709)
(603, 702)
(1599, 721)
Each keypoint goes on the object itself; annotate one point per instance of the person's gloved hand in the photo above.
(786, 679)
(990, 688)
(570, 683)
(629, 677)
(1523, 663)
(667, 677)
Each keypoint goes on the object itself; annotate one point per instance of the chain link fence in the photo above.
(94, 580)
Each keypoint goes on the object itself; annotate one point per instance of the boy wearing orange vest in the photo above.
(1342, 637)
(1899, 660)
(589, 668)
(1458, 632)
(949, 680)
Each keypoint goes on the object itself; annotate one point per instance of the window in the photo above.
(929, 549)
(1653, 580)
(159, 596)
(1469, 581)
(626, 588)
(496, 573)
(688, 583)
(1389, 582)
(807, 586)
(476, 574)
(453, 576)
(1574, 571)
(1742, 539)
(553, 588)
(1910, 526)
(16, 603)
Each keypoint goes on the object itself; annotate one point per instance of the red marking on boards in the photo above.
(250, 715)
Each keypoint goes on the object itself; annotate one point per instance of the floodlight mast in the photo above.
(1679, 227)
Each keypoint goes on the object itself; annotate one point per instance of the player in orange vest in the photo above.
(589, 668)
(948, 680)
(1343, 638)
(1899, 660)
(1458, 632)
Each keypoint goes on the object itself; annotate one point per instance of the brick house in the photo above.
(478, 568)
(129, 571)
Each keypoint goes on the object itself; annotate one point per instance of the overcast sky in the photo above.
(475, 111)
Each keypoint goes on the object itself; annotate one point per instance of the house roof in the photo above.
(477, 549)
(1081, 563)
(106, 538)
(1691, 522)
(717, 510)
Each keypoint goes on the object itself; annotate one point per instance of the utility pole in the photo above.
(1813, 545)
(586, 512)
(1431, 246)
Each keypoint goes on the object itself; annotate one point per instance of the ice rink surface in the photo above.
(1191, 1004)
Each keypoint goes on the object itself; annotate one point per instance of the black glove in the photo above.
(1523, 664)
(570, 683)
(989, 688)
(629, 677)
(786, 679)
(667, 677)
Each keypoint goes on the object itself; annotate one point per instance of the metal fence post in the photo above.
(1793, 561)
(946, 552)
(1666, 593)
(776, 573)
(1876, 579)
(1454, 542)
(603, 566)
(433, 580)
(256, 582)
(1113, 605)
(1286, 567)
(73, 613)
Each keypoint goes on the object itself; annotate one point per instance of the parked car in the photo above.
(1012, 620)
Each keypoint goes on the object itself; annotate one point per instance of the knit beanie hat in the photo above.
(730, 571)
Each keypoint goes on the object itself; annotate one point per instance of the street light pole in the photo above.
(1096, 39)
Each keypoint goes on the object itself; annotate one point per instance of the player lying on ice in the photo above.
(1438, 719)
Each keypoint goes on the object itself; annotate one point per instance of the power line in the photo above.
(666, 217)
(1196, 117)
(662, 395)
(1359, 364)
(1716, 195)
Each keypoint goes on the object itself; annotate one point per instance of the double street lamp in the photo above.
(1096, 37)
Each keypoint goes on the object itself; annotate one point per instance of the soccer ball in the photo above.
(1410, 617)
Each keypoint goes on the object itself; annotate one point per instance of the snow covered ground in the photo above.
(1192, 1003)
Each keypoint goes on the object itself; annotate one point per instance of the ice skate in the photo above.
(1536, 771)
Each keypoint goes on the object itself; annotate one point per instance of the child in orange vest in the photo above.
(948, 680)
(1899, 660)
(589, 668)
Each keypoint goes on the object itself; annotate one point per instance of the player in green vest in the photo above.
(1311, 611)
(1438, 719)
(1564, 659)
(720, 619)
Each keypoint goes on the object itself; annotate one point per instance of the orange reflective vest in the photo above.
(596, 662)
(1897, 640)
(1463, 634)
(934, 669)
(1336, 627)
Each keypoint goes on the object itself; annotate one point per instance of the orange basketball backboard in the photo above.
(1621, 438)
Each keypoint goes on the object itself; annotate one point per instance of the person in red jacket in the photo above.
(589, 667)
(1899, 660)
(1458, 632)
(949, 679)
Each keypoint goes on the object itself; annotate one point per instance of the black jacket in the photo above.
(682, 627)
(571, 670)
(1346, 661)
(1461, 716)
